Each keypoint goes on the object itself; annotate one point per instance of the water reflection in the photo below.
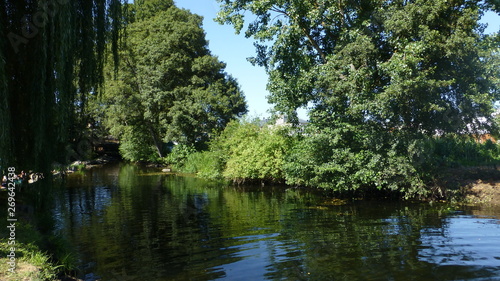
(466, 241)
(130, 223)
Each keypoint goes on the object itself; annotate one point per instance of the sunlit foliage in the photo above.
(168, 86)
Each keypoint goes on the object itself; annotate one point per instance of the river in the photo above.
(133, 223)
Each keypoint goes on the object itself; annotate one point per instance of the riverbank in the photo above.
(28, 258)
(484, 193)
(28, 249)
(83, 165)
(470, 185)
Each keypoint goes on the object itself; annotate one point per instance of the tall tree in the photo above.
(51, 57)
(379, 76)
(168, 86)
(417, 66)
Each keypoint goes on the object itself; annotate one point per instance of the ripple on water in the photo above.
(465, 241)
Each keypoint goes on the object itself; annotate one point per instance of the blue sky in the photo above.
(235, 49)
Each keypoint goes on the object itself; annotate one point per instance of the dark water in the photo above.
(129, 223)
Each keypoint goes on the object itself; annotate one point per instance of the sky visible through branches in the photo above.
(234, 50)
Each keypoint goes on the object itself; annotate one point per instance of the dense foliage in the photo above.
(51, 57)
(348, 161)
(411, 66)
(395, 88)
(246, 151)
(385, 82)
(167, 87)
(254, 152)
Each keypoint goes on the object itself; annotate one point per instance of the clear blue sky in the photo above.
(235, 49)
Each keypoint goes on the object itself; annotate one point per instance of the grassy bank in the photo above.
(40, 254)
(32, 259)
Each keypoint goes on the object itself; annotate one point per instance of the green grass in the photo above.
(32, 262)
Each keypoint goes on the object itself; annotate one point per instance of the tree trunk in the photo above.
(158, 144)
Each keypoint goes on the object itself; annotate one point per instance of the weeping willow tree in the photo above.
(51, 59)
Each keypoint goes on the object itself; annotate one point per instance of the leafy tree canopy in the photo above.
(415, 67)
(381, 79)
(168, 86)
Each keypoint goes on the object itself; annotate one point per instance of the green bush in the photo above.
(434, 153)
(466, 151)
(260, 157)
(133, 148)
(340, 159)
(206, 164)
(244, 151)
(253, 153)
(347, 158)
(179, 155)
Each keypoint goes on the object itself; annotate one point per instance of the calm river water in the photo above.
(132, 223)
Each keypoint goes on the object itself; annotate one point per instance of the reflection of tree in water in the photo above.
(156, 226)
(384, 245)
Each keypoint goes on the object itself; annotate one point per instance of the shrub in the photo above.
(243, 152)
(433, 153)
(133, 148)
(339, 159)
(206, 164)
(179, 155)
(259, 156)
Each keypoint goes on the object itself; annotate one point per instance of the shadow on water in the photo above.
(133, 223)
